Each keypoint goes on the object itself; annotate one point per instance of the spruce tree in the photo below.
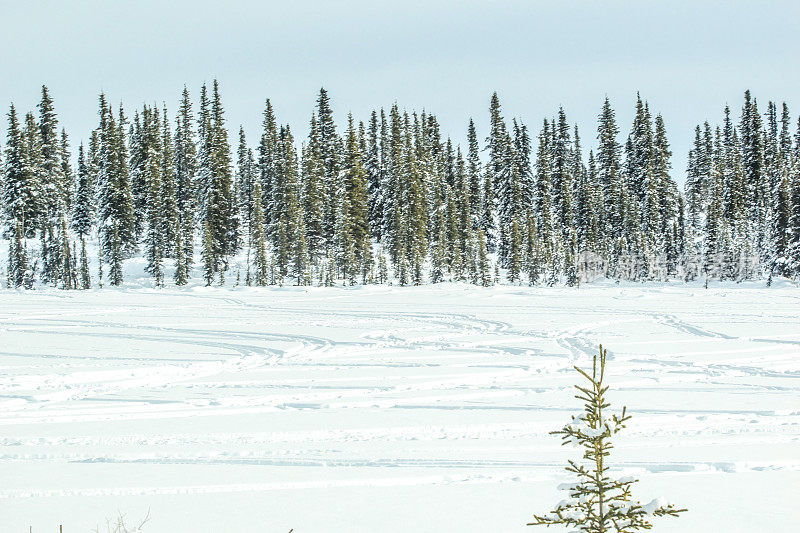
(115, 201)
(779, 209)
(67, 174)
(17, 259)
(86, 280)
(474, 174)
(393, 209)
(596, 502)
(48, 251)
(181, 275)
(571, 267)
(268, 156)
(169, 189)
(375, 178)
(53, 182)
(215, 184)
(591, 209)
(794, 216)
(695, 181)
(329, 154)
(667, 190)
(154, 239)
(68, 275)
(543, 206)
(244, 177)
(21, 186)
(501, 190)
(562, 177)
(221, 208)
(314, 200)
(139, 149)
(609, 172)
(148, 165)
(84, 205)
(291, 211)
(753, 158)
(352, 220)
(514, 253)
(115, 254)
(532, 252)
(185, 154)
(209, 260)
(413, 210)
(484, 275)
(204, 171)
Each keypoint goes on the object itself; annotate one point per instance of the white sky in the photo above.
(688, 58)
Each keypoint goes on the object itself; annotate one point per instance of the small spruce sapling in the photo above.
(598, 503)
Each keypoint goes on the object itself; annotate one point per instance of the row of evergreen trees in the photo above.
(743, 193)
(393, 200)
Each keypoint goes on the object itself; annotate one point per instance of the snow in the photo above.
(390, 409)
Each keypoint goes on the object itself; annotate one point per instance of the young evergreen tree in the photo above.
(596, 502)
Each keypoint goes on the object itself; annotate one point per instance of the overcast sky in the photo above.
(687, 58)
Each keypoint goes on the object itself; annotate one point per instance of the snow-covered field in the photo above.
(389, 409)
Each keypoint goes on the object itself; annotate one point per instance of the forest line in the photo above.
(392, 200)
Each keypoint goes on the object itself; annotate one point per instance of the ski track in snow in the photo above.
(329, 388)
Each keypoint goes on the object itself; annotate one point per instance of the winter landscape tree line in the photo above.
(391, 200)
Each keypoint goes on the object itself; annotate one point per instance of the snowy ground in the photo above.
(389, 409)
